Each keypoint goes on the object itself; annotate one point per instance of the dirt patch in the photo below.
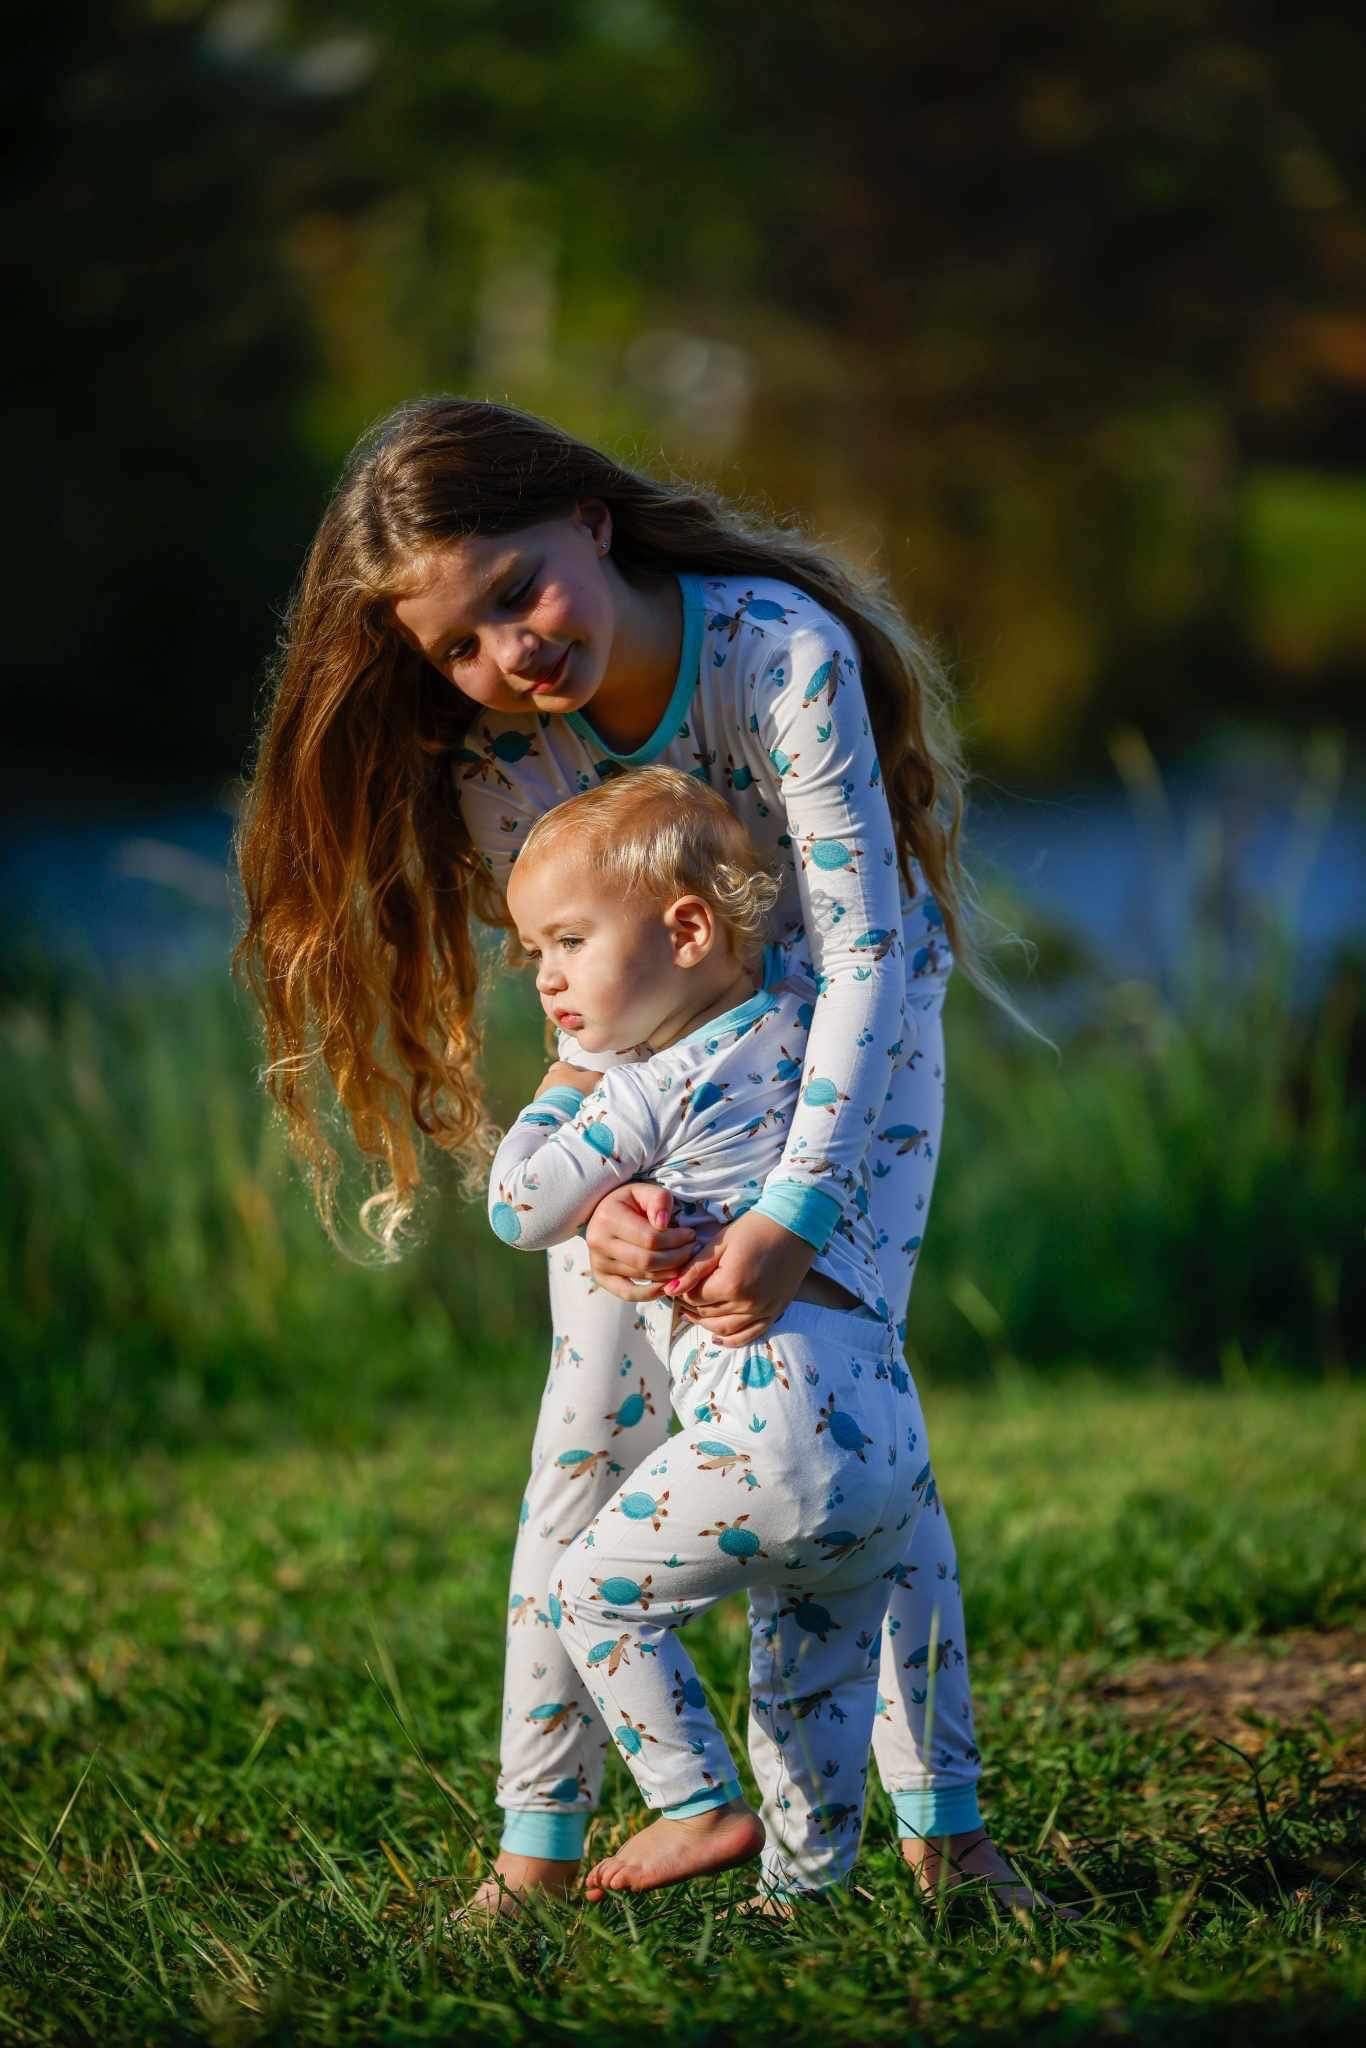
(1230, 1693)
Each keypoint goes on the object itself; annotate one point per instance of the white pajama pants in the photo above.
(800, 1487)
(605, 1412)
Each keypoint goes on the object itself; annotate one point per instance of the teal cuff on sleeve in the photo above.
(558, 1836)
(807, 1212)
(937, 1810)
(570, 1100)
(703, 1802)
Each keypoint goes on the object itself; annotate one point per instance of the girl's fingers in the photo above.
(690, 1278)
(632, 1231)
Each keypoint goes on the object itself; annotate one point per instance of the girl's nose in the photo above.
(519, 653)
(548, 979)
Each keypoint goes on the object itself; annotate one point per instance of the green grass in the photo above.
(250, 1700)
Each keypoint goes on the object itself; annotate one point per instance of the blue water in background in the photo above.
(133, 891)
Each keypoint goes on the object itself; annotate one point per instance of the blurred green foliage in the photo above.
(1034, 305)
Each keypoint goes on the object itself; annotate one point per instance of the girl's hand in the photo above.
(562, 1075)
(744, 1280)
(629, 1239)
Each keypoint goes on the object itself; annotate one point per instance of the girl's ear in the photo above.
(691, 928)
(596, 520)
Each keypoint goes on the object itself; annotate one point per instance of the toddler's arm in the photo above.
(564, 1153)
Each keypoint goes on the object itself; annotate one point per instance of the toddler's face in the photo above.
(604, 967)
(518, 622)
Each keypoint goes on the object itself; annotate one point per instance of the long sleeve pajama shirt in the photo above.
(768, 707)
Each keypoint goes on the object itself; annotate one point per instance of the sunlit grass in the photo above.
(266, 1682)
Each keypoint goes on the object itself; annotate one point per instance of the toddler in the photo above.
(801, 1462)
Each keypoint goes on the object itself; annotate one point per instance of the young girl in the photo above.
(494, 616)
(801, 1463)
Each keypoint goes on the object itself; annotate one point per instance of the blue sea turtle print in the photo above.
(631, 1734)
(567, 1791)
(825, 680)
(739, 774)
(503, 1216)
(552, 1714)
(687, 1692)
(879, 941)
(843, 1429)
(612, 1654)
(759, 1368)
(619, 1591)
(821, 1093)
(788, 1066)
(811, 1616)
(807, 1705)
(905, 1137)
(715, 1456)
(631, 1410)
(765, 608)
(831, 856)
(579, 1464)
(644, 1507)
(919, 1660)
(783, 762)
(601, 1138)
(696, 1097)
(735, 1540)
(833, 1816)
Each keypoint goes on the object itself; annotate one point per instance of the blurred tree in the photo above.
(159, 348)
(1037, 305)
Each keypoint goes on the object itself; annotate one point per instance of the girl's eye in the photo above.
(520, 594)
(570, 942)
(461, 653)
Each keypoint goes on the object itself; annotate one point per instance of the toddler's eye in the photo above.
(520, 594)
(462, 652)
(570, 942)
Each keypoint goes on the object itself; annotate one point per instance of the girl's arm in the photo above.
(813, 719)
(563, 1154)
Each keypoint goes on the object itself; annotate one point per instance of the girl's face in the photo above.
(521, 621)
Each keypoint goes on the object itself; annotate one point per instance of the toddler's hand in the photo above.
(562, 1075)
(744, 1280)
(629, 1239)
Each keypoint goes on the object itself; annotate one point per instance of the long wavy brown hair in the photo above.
(360, 878)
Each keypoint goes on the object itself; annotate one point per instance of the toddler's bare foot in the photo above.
(944, 1862)
(669, 1851)
(512, 1876)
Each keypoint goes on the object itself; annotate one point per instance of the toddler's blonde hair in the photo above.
(657, 834)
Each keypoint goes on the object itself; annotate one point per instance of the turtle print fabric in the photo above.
(748, 650)
(797, 1476)
(707, 1119)
(768, 709)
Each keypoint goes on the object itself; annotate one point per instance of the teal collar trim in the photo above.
(684, 685)
(737, 1019)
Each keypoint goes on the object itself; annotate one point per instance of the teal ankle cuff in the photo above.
(937, 1810)
(703, 1802)
(557, 1836)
